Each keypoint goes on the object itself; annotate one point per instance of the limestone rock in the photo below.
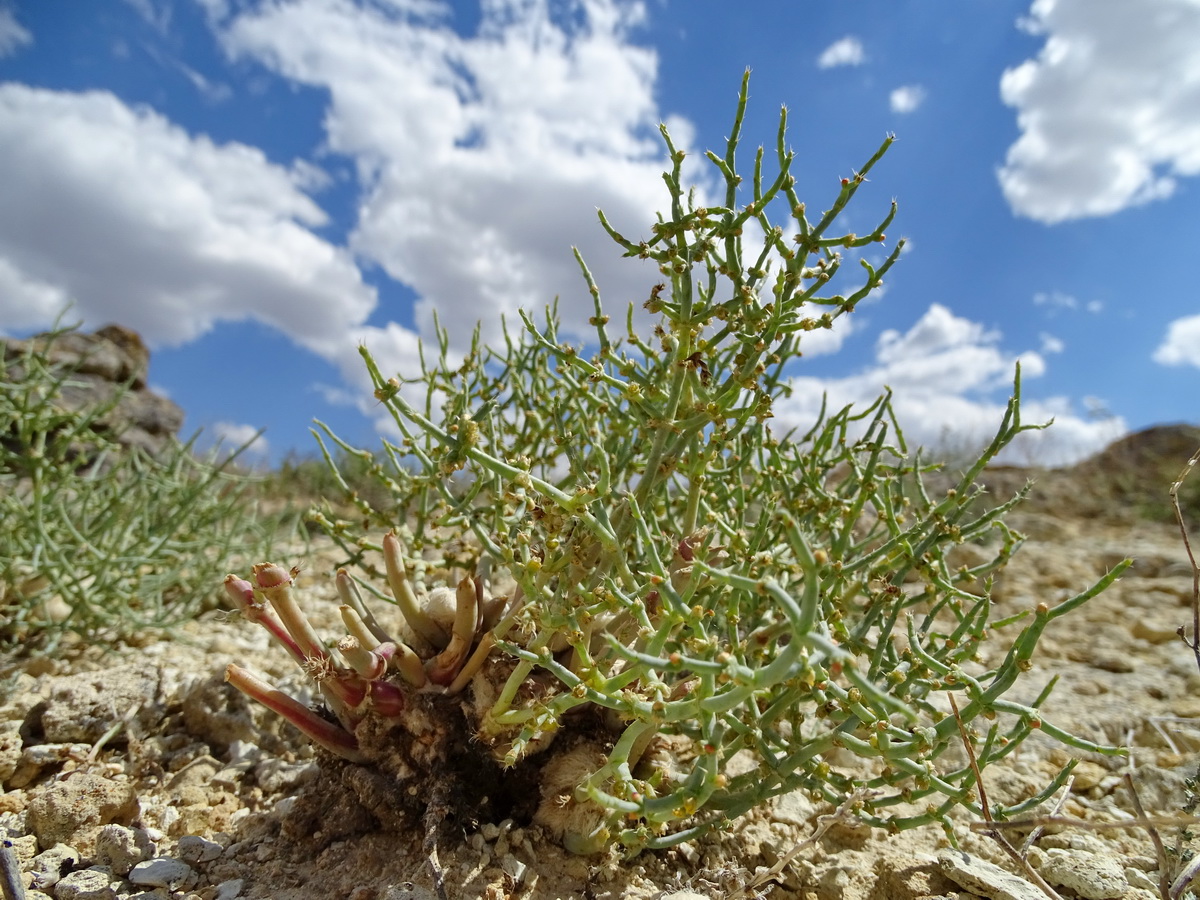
(83, 707)
(985, 879)
(110, 364)
(1093, 876)
(71, 811)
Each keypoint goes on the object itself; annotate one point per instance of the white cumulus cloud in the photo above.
(949, 377)
(1109, 111)
(847, 51)
(1051, 344)
(1181, 346)
(907, 98)
(483, 157)
(13, 36)
(134, 220)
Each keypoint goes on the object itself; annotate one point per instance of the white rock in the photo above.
(1090, 875)
(163, 872)
(122, 848)
(514, 867)
(86, 884)
(47, 866)
(793, 809)
(1139, 879)
(981, 877)
(230, 890)
(195, 849)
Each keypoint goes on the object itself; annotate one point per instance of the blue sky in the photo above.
(258, 187)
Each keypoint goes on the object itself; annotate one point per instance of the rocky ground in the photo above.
(139, 773)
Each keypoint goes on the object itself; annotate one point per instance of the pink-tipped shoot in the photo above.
(276, 585)
(241, 592)
(327, 734)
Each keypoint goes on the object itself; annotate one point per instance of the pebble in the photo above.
(82, 707)
(195, 849)
(793, 809)
(514, 868)
(86, 884)
(982, 877)
(1092, 876)
(1154, 631)
(1139, 879)
(122, 848)
(163, 872)
(1087, 776)
(47, 867)
(230, 890)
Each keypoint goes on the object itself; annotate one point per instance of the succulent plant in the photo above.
(674, 612)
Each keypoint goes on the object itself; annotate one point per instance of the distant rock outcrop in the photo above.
(103, 364)
(1137, 471)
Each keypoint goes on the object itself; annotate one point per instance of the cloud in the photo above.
(131, 219)
(825, 341)
(483, 157)
(229, 436)
(1109, 111)
(1060, 300)
(13, 36)
(847, 51)
(907, 99)
(1181, 346)
(1055, 300)
(1051, 344)
(950, 382)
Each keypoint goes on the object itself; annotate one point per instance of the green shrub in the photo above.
(103, 540)
(682, 585)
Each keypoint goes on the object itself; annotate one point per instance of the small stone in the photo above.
(1154, 632)
(195, 849)
(165, 872)
(275, 776)
(70, 809)
(1139, 879)
(25, 846)
(84, 706)
(1092, 876)
(1087, 775)
(49, 866)
(793, 809)
(983, 878)
(514, 868)
(10, 749)
(86, 884)
(1109, 661)
(230, 890)
(122, 848)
